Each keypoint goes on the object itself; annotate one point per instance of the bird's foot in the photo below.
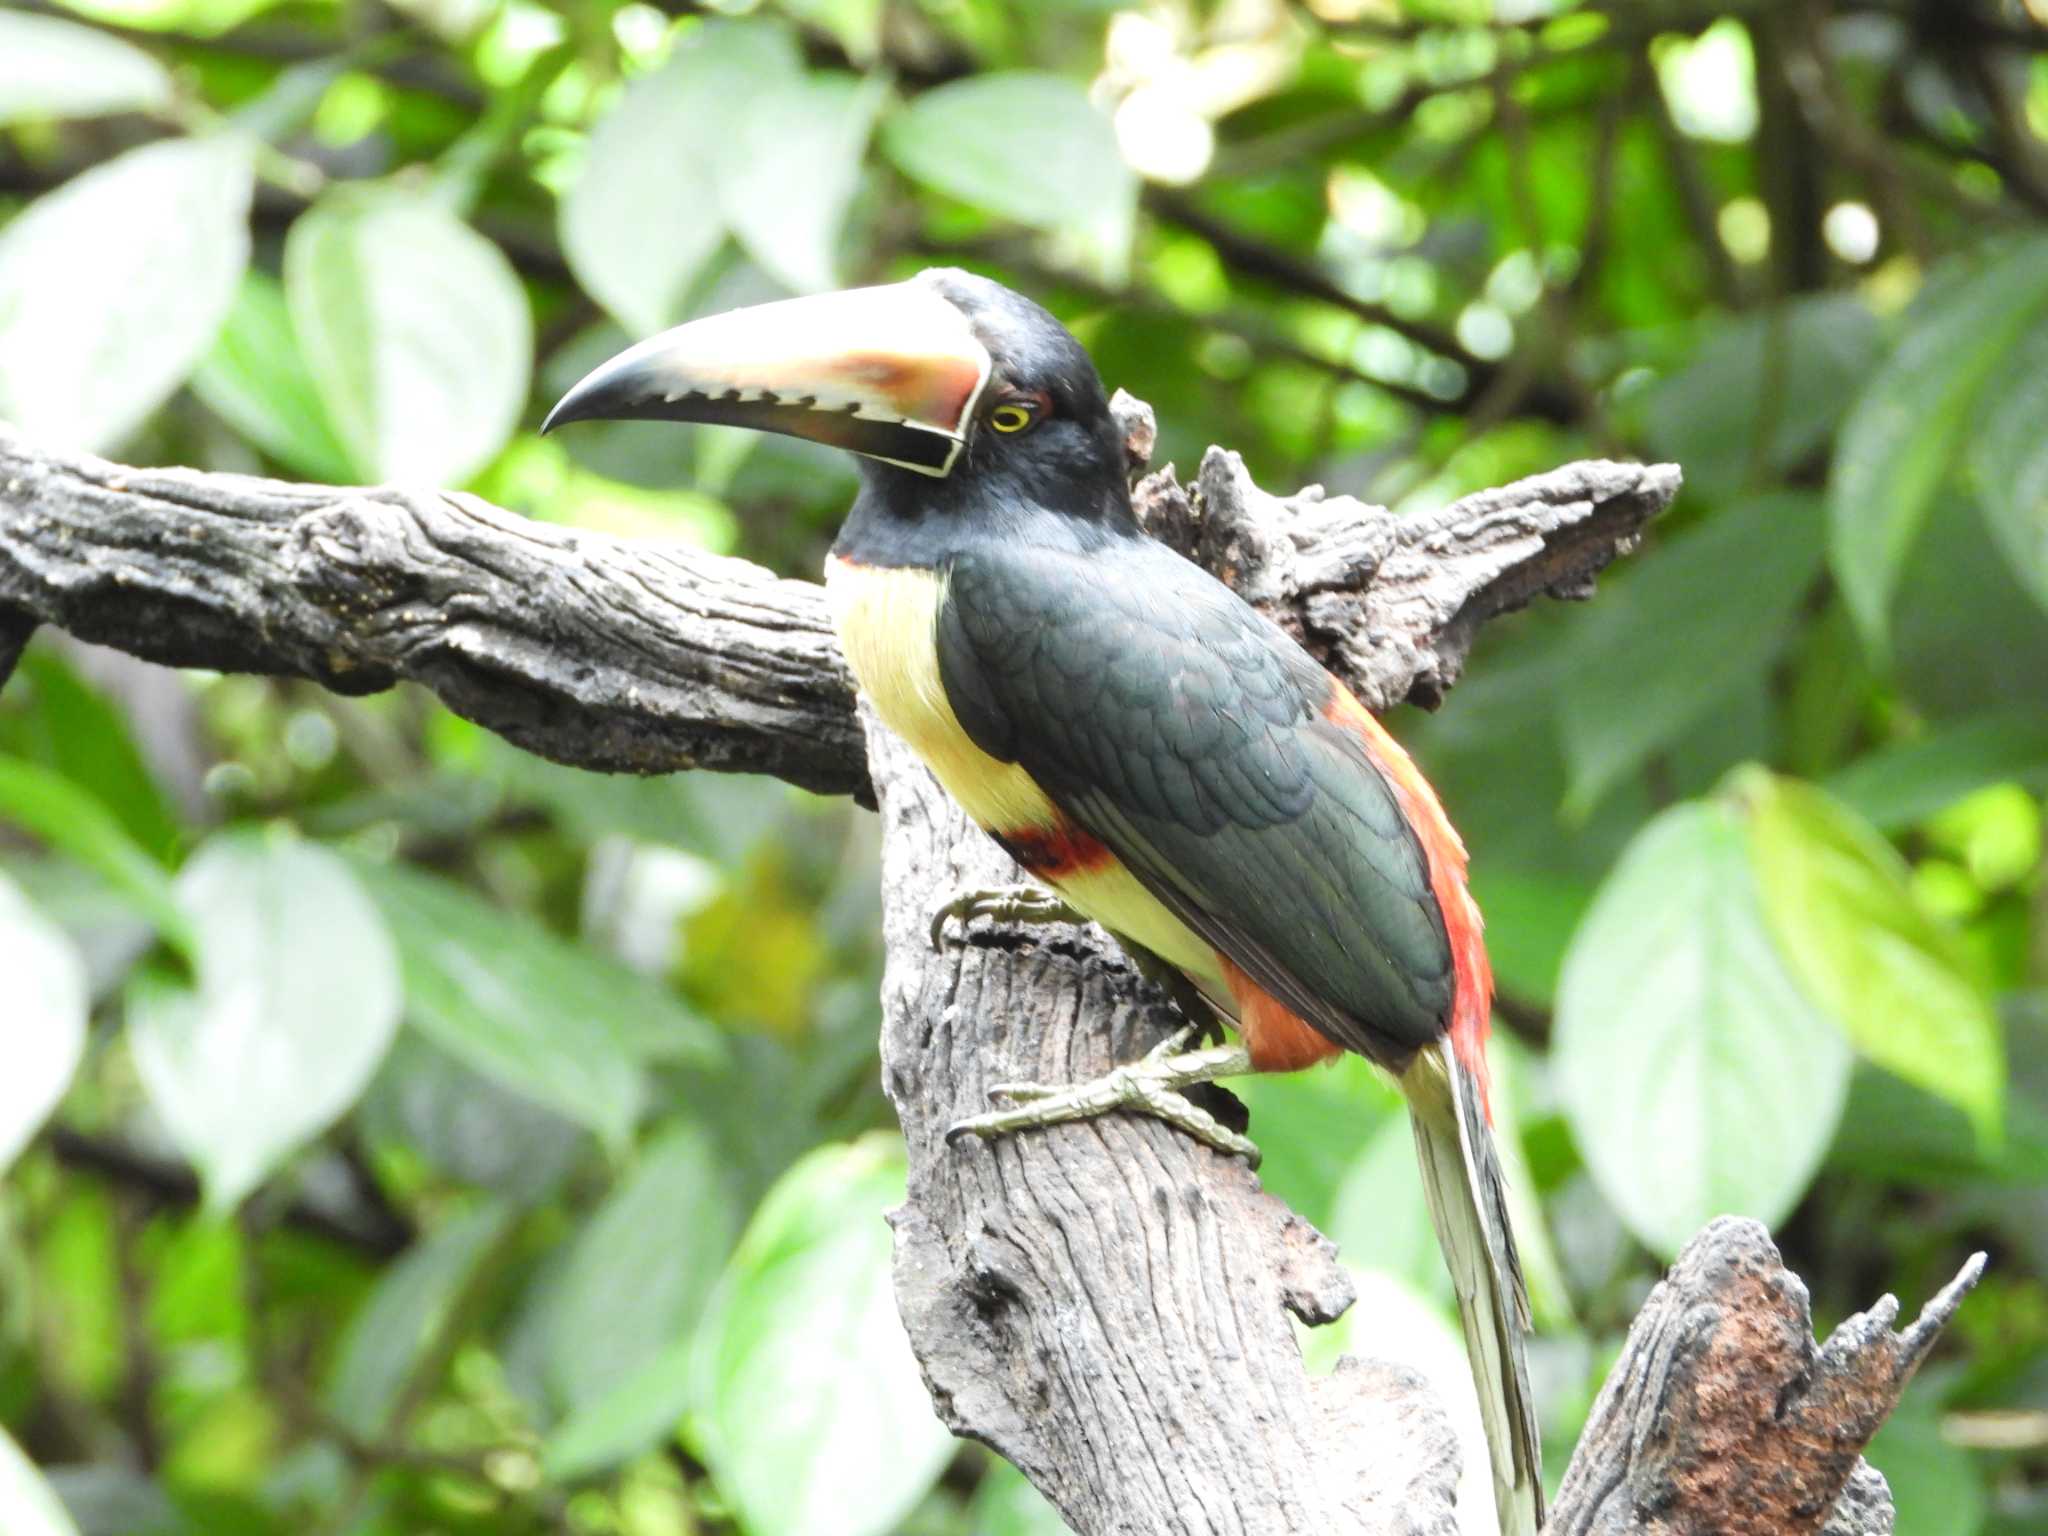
(1149, 1086)
(1205, 1024)
(1007, 904)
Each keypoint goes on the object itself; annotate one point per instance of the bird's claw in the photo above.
(1170, 1047)
(1006, 904)
(1150, 1085)
(1020, 1093)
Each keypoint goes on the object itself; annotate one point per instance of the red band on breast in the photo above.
(1057, 852)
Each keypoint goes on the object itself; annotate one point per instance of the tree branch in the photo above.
(365, 1223)
(589, 650)
(1107, 1304)
(631, 656)
(1751, 1427)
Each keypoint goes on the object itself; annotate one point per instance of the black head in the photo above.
(966, 401)
(1043, 416)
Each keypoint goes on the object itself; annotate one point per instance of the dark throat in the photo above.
(901, 518)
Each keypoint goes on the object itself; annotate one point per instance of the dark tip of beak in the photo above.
(605, 395)
(890, 372)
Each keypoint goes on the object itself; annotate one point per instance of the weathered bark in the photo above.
(1722, 1417)
(600, 652)
(1106, 1304)
(16, 629)
(633, 656)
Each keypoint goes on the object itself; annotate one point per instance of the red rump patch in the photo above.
(1472, 1000)
(1055, 852)
(1277, 1038)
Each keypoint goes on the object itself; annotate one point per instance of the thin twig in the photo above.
(1269, 264)
(373, 1229)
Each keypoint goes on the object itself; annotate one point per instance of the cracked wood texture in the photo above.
(599, 652)
(1723, 1416)
(1108, 1304)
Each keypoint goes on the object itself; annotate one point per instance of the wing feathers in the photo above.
(1184, 731)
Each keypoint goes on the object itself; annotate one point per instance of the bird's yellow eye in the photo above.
(1011, 418)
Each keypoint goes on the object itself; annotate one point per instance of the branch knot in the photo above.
(351, 557)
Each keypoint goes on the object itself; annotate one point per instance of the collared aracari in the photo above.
(1133, 733)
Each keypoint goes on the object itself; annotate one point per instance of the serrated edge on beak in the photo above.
(892, 372)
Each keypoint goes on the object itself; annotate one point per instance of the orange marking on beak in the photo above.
(931, 390)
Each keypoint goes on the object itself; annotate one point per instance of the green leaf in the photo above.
(1838, 905)
(1937, 1489)
(856, 24)
(1967, 637)
(810, 1411)
(1636, 680)
(197, 1290)
(548, 1018)
(1028, 146)
(55, 69)
(1007, 1505)
(1901, 785)
(465, 1125)
(1897, 447)
(1380, 1220)
(639, 1412)
(416, 332)
(638, 242)
(789, 172)
(1697, 1077)
(1379, 1217)
(1897, 1133)
(76, 730)
(78, 1259)
(630, 1013)
(256, 380)
(297, 998)
(404, 1323)
(1310, 1125)
(42, 1032)
(27, 1506)
(112, 287)
(2009, 460)
(72, 821)
(1800, 365)
(667, 810)
(193, 18)
(1530, 919)
(642, 1268)
(108, 1499)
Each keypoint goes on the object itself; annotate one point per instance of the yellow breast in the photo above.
(888, 626)
(888, 620)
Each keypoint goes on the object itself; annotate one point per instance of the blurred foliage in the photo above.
(403, 1135)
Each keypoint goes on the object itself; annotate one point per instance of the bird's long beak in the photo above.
(891, 372)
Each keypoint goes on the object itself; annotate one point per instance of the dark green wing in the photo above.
(1182, 729)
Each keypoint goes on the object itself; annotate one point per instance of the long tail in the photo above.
(1468, 1202)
